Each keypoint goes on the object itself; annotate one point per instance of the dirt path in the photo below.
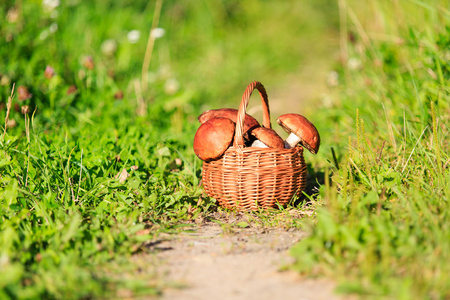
(210, 264)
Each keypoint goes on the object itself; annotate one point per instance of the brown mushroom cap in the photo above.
(230, 113)
(268, 137)
(213, 138)
(303, 129)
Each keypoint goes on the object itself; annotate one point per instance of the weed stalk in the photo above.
(436, 141)
(150, 45)
(8, 109)
(27, 132)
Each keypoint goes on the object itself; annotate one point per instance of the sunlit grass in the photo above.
(93, 166)
(384, 230)
(97, 156)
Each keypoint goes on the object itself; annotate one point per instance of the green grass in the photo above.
(68, 220)
(385, 229)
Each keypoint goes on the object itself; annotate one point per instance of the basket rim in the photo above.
(263, 150)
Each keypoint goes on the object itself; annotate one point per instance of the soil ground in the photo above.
(209, 262)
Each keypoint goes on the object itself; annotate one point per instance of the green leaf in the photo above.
(9, 195)
(242, 224)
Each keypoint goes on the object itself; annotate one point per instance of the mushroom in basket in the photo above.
(267, 138)
(250, 123)
(300, 131)
(213, 138)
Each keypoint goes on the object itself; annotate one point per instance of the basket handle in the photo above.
(238, 135)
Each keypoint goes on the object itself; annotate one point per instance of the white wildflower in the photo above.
(50, 5)
(44, 34)
(171, 86)
(354, 63)
(157, 33)
(53, 28)
(109, 47)
(133, 36)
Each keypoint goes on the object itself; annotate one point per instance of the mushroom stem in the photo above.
(291, 141)
(259, 144)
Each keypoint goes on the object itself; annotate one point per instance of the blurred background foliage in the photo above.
(371, 75)
(209, 52)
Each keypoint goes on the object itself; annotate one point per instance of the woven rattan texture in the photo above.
(257, 177)
(248, 178)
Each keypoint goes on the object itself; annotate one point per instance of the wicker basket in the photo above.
(251, 178)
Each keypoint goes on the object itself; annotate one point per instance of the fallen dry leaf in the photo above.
(122, 176)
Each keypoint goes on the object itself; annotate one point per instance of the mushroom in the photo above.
(213, 138)
(230, 113)
(301, 131)
(267, 138)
